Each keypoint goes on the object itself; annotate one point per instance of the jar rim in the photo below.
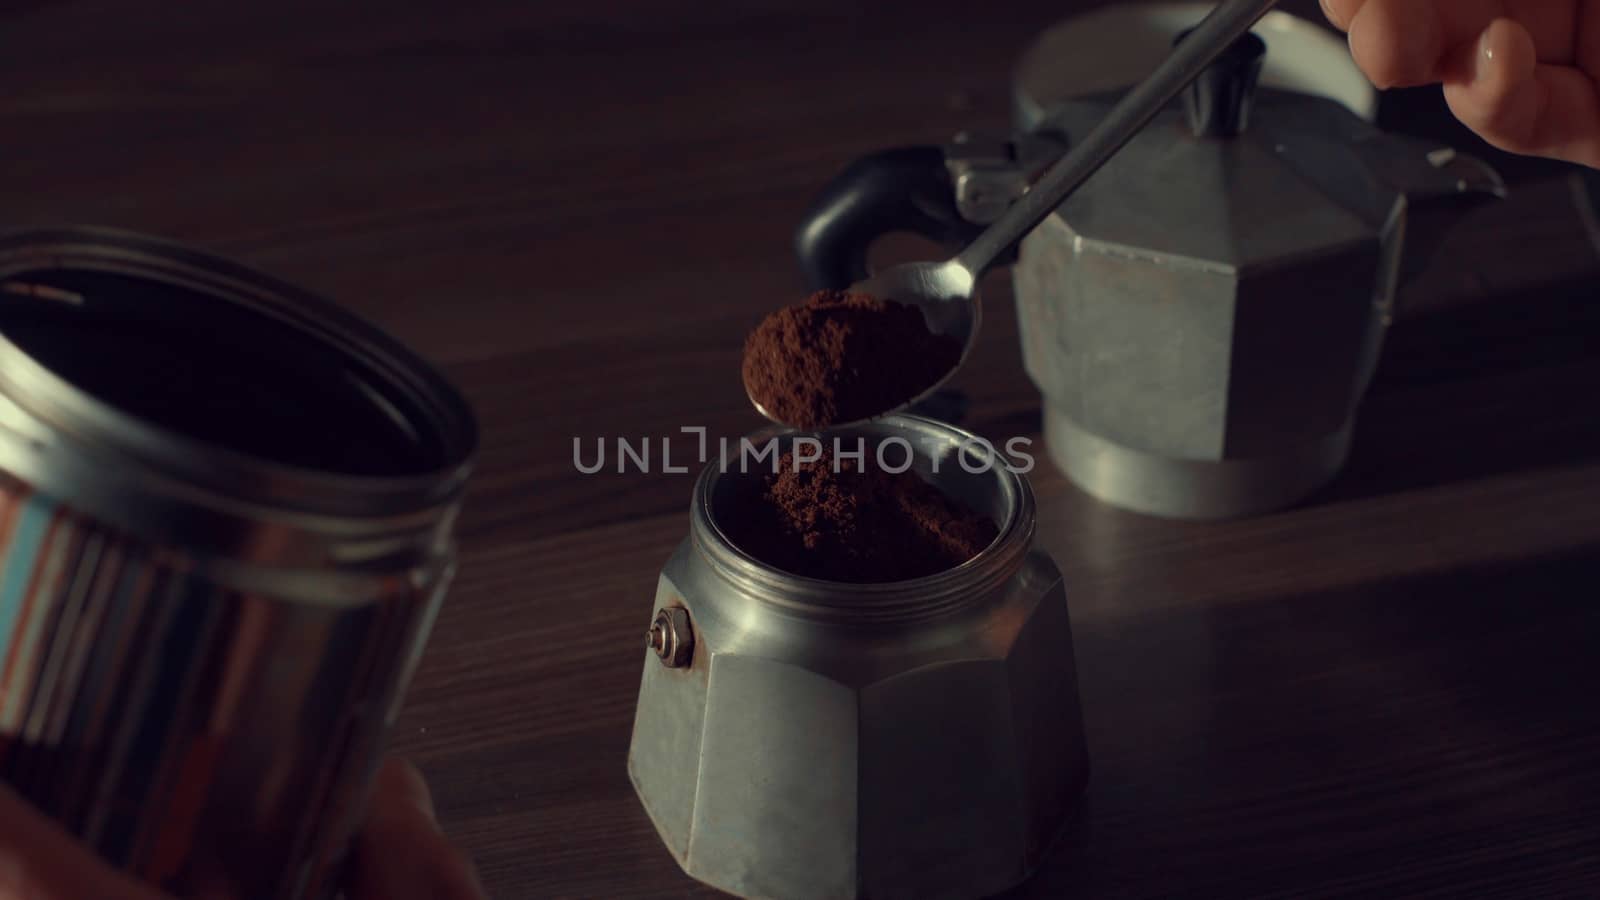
(195, 471)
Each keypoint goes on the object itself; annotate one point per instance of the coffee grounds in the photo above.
(842, 522)
(842, 357)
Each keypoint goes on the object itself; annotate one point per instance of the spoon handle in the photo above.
(1229, 21)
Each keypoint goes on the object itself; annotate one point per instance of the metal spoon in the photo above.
(945, 290)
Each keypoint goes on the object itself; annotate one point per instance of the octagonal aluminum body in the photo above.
(1205, 314)
(916, 740)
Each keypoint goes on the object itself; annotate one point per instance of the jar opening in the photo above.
(218, 372)
(908, 528)
(943, 456)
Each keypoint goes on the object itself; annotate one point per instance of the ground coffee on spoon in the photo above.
(843, 521)
(842, 357)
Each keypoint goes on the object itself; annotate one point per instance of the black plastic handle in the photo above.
(902, 190)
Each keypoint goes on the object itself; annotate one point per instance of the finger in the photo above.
(40, 861)
(1398, 43)
(1403, 43)
(1522, 105)
(1557, 27)
(1341, 12)
(402, 854)
(401, 786)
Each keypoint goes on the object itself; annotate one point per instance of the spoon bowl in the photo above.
(944, 291)
(945, 294)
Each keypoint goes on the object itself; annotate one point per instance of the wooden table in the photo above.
(578, 210)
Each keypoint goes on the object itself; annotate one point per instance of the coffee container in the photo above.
(226, 511)
(800, 739)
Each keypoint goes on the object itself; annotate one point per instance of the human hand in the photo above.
(1523, 74)
(400, 853)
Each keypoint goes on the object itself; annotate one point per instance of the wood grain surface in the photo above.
(578, 209)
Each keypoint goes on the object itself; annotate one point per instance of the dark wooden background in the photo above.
(577, 209)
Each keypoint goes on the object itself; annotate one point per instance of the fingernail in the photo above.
(1484, 58)
(1490, 50)
(425, 804)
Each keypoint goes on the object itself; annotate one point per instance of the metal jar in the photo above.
(225, 523)
(800, 739)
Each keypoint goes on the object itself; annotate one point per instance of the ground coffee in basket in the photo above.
(843, 357)
(842, 521)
